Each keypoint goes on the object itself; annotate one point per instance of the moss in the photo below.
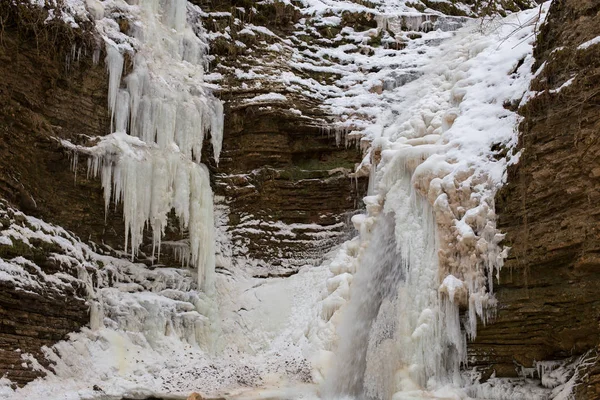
(18, 248)
(375, 41)
(418, 6)
(359, 21)
(223, 47)
(306, 38)
(295, 174)
(329, 31)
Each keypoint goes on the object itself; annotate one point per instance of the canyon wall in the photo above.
(46, 93)
(549, 307)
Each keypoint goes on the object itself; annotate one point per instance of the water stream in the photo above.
(376, 282)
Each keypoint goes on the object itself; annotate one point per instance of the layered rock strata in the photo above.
(549, 307)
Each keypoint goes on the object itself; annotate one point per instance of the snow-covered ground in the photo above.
(438, 135)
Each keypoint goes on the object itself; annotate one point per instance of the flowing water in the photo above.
(376, 282)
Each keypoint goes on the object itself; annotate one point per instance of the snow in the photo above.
(68, 11)
(266, 98)
(589, 43)
(381, 315)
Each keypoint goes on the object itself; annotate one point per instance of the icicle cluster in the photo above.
(160, 114)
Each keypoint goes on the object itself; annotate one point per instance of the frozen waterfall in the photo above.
(421, 274)
(160, 114)
(396, 334)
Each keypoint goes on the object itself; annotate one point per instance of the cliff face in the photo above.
(50, 90)
(284, 177)
(45, 93)
(549, 307)
(286, 185)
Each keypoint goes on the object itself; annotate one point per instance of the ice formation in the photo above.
(381, 317)
(161, 112)
(433, 177)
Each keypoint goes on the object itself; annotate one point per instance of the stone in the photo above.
(549, 304)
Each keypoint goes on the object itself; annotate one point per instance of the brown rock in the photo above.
(549, 303)
(276, 166)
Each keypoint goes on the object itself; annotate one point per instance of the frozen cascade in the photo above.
(160, 114)
(398, 331)
(433, 176)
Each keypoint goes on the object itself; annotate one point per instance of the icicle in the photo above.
(217, 129)
(114, 64)
(150, 163)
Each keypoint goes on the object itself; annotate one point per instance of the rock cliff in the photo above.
(549, 307)
(49, 88)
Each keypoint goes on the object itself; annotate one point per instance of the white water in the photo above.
(376, 282)
(398, 332)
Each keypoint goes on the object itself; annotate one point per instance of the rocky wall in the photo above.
(549, 303)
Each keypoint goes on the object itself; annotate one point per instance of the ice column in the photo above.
(161, 113)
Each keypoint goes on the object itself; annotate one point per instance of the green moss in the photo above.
(329, 31)
(360, 22)
(223, 47)
(418, 6)
(324, 165)
(306, 38)
(37, 251)
(375, 41)
(295, 174)
(18, 248)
